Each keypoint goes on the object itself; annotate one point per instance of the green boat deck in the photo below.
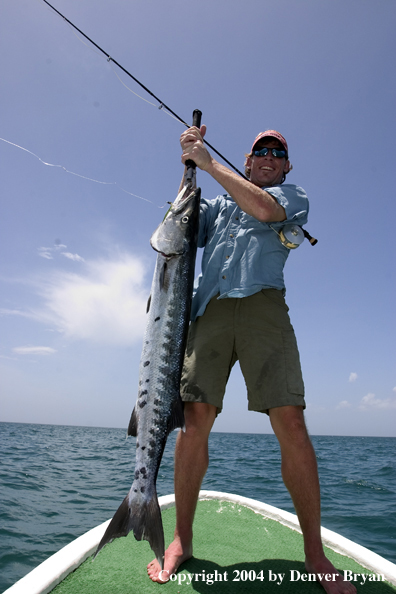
(235, 550)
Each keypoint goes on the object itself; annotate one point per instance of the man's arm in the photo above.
(251, 199)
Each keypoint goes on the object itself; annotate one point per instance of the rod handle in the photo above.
(311, 239)
(197, 114)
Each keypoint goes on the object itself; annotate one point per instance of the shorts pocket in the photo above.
(275, 296)
(294, 377)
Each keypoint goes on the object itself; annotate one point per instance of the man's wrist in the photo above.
(210, 166)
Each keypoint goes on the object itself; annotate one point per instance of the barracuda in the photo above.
(159, 408)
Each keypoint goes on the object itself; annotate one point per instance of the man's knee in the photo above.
(288, 423)
(199, 417)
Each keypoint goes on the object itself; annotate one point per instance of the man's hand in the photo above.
(193, 147)
(249, 197)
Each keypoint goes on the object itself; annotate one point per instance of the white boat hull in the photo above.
(53, 570)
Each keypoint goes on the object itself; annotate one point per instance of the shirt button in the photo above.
(237, 218)
(224, 276)
(231, 235)
(227, 257)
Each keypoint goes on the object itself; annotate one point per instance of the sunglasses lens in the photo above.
(275, 152)
(261, 153)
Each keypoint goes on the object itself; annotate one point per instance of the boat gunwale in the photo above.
(53, 570)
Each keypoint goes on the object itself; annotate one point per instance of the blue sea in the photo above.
(57, 482)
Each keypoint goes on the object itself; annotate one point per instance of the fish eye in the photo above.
(185, 219)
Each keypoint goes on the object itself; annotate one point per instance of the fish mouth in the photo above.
(182, 200)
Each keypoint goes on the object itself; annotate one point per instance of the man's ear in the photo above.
(288, 167)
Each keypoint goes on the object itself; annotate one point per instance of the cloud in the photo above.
(33, 350)
(47, 252)
(74, 257)
(105, 303)
(370, 402)
(343, 404)
(353, 377)
(15, 312)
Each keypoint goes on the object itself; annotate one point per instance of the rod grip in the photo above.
(311, 239)
(197, 114)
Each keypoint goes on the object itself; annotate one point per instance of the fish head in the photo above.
(179, 229)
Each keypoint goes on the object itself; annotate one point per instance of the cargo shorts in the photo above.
(254, 330)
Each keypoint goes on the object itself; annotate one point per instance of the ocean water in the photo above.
(57, 482)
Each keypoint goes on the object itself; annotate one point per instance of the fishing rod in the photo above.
(287, 242)
(162, 104)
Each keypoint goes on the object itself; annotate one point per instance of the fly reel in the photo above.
(291, 236)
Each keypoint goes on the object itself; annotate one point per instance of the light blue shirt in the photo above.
(243, 255)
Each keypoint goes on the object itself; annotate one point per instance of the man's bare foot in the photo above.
(334, 582)
(175, 555)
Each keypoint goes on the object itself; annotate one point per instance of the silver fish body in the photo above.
(159, 408)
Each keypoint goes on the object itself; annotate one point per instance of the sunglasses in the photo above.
(275, 153)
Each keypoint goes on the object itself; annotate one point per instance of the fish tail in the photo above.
(143, 516)
(147, 524)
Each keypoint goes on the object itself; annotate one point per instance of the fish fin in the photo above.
(147, 524)
(119, 525)
(176, 418)
(144, 518)
(162, 277)
(148, 304)
(133, 423)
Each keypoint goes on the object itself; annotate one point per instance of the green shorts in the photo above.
(255, 330)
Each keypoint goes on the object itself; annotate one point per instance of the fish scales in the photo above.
(159, 408)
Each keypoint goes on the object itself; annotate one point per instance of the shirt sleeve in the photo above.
(294, 200)
(208, 212)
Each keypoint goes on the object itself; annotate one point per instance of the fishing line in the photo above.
(117, 75)
(161, 106)
(140, 97)
(97, 181)
(290, 236)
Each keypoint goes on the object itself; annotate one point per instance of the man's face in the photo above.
(268, 170)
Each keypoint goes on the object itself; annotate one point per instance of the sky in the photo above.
(87, 168)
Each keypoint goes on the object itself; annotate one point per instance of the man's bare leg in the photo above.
(300, 475)
(191, 464)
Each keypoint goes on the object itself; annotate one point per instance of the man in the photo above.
(239, 313)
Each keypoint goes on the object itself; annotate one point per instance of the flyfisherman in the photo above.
(239, 313)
